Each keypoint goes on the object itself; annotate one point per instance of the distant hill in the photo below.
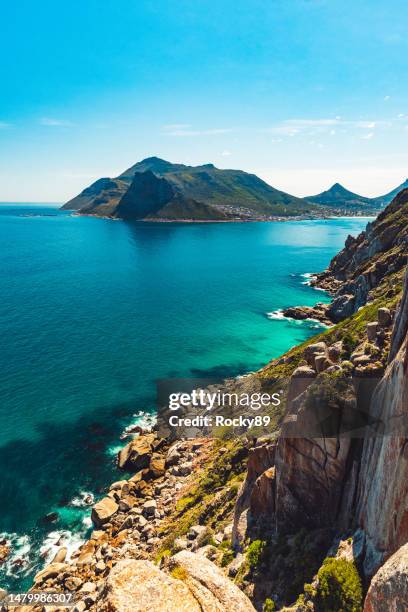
(384, 200)
(339, 197)
(155, 188)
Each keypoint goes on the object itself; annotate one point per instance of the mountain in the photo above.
(388, 197)
(339, 197)
(185, 192)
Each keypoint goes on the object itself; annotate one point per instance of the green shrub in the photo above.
(339, 586)
(255, 553)
(350, 341)
(227, 558)
(269, 605)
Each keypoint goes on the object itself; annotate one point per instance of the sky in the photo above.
(303, 93)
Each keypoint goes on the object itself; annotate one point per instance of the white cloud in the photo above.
(52, 122)
(226, 153)
(368, 136)
(310, 127)
(386, 98)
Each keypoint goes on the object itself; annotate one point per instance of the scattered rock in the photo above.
(103, 511)
(149, 508)
(73, 583)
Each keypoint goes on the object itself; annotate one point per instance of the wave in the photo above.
(18, 561)
(71, 540)
(143, 420)
(278, 315)
(84, 499)
(140, 420)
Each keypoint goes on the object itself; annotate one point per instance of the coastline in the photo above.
(249, 220)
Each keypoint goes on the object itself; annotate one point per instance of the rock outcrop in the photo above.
(388, 590)
(137, 454)
(138, 586)
(209, 585)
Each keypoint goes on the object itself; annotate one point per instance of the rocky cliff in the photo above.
(369, 266)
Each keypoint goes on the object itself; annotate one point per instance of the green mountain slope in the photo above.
(338, 197)
(220, 193)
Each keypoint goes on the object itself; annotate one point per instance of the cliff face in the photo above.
(152, 197)
(382, 507)
(341, 459)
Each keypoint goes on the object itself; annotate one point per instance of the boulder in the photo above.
(51, 571)
(334, 351)
(312, 350)
(209, 585)
(389, 588)
(341, 307)
(384, 317)
(137, 454)
(4, 552)
(72, 583)
(103, 511)
(196, 531)
(322, 363)
(137, 586)
(372, 329)
(173, 456)
(60, 555)
(157, 465)
(149, 508)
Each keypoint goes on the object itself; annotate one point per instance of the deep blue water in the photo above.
(93, 311)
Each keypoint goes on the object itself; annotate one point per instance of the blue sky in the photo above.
(302, 92)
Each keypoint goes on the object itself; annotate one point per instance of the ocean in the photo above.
(93, 312)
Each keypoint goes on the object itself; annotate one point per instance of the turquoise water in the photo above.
(92, 311)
